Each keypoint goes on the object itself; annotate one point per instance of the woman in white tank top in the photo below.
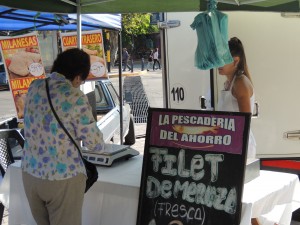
(238, 93)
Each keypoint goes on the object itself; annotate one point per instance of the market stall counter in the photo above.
(113, 199)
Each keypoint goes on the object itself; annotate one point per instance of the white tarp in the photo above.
(112, 21)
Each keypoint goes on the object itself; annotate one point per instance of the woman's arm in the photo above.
(86, 126)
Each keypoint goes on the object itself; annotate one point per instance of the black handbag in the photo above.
(91, 169)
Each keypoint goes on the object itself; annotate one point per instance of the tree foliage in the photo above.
(134, 24)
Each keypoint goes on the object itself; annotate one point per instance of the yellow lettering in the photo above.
(21, 83)
(91, 39)
(5, 44)
(14, 84)
(69, 40)
(22, 42)
(32, 41)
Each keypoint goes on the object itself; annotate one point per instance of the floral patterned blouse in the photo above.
(48, 152)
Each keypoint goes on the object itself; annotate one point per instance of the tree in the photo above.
(134, 24)
(113, 46)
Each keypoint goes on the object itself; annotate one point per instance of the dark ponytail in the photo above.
(237, 49)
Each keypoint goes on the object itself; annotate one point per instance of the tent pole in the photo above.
(78, 24)
(120, 86)
(79, 28)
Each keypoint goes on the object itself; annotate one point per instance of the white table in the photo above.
(114, 198)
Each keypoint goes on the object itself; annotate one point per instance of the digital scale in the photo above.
(111, 154)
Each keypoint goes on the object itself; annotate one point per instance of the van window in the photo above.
(2, 73)
(113, 94)
(100, 97)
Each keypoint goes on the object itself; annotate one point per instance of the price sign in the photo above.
(98, 69)
(36, 69)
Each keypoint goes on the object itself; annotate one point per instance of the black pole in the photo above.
(120, 86)
(143, 63)
(131, 63)
(132, 51)
(165, 66)
(212, 89)
(108, 67)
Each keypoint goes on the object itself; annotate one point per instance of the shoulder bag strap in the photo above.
(58, 120)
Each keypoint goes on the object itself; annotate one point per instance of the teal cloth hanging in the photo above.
(212, 32)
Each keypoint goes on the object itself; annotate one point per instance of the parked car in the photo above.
(108, 114)
(3, 81)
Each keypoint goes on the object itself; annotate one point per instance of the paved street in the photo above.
(152, 84)
(7, 108)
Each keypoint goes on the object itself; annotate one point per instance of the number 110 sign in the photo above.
(177, 94)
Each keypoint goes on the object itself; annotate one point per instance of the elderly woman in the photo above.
(53, 172)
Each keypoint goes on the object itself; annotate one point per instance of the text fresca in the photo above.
(190, 191)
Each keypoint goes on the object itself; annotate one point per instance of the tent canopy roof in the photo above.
(16, 20)
(127, 6)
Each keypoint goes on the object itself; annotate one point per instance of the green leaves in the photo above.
(137, 23)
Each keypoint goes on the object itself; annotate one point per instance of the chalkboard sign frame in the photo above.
(158, 209)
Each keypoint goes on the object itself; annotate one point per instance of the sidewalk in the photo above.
(137, 70)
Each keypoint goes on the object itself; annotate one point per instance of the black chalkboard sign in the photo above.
(193, 167)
